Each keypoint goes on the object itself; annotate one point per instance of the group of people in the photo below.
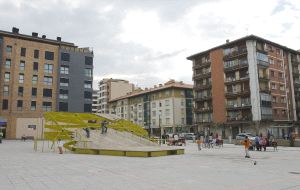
(208, 141)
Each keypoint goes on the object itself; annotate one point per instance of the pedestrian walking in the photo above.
(246, 144)
(199, 143)
(60, 145)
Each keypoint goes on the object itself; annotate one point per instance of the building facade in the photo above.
(165, 107)
(95, 105)
(40, 75)
(111, 89)
(247, 85)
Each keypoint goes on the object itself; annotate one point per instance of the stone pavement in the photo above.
(216, 169)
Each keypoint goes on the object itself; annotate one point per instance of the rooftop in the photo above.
(34, 37)
(169, 84)
(249, 37)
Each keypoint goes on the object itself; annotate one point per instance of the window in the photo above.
(19, 105)
(63, 94)
(36, 54)
(160, 104)
(5, 90)
(271, 61)
(274, 99)
(7, 63)
(154, 113)
(64, 70)
(182, 121)
(272, 74)
(87, 95)
(87, 84)
(5, 104)
(282, 100)
(20, 91)
(34, 79)
(49, 55)
(167, 112)
(48, 81)
(23, 52)
(47, 106)
(88, 72)
(273, 86)
(167, 121)
(21, 78)
(8, 49)
(48, 68)
(88, 60)
(35, 66)
(64, 82)
(6, 77)
(153, 105)
(167, 102)
(281, 76)
(22, 66)
(87, 107)
(47, 93)
(33, 106)
(65, 56)
(282, 87)
(33, 92)
(63, 106)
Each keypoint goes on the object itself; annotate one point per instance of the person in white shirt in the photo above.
(60, 145)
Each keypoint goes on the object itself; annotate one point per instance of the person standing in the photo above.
(246, 144)
(60, 145)
(199, 142)
(1, 136)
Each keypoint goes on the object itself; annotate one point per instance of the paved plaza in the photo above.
(216, 169)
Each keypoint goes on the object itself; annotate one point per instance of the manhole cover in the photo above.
(294, 172)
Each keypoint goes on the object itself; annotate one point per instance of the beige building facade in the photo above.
(164, 108)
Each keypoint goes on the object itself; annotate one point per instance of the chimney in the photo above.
(160, 85)
(15, 30)
(44, 36)
(155, 86)
(227, 41)
(34, 34)
(58, 39)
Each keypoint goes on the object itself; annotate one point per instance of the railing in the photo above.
(237, 53)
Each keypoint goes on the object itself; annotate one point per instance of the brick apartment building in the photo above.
(39, 75)
(247, 85)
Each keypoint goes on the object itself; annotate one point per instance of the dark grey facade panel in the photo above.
(76, 101)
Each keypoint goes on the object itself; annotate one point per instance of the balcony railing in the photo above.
(235, 67)
(236, 119)
(202, 87)
(266, 89)
(203, 98)
(234, 80)
(238, 106)
(263, 63)
(202, 75)
(234, 54)
(204, 109)
(202, 65)
(237, 93)
(295, 62)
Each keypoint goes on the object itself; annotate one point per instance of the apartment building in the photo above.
(111, 89)
(39, 75)
(165, 107)
(250, 84)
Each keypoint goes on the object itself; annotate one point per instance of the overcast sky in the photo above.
(147, 41)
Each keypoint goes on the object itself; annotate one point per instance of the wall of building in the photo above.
(30, 127)
(76, 78)
(119, 88)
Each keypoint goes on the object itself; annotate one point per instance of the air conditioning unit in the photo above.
(235, 105)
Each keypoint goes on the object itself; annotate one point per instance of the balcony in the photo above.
(202, 87)
(201, 75)
(202, 65)
(203, 110)
(237, 93)
(235, 67)
(264, 78)
(239, 106)
(243, 119)
(234, 80)
(203, 98)
(296, 73)
(263, 63)
(295, 62)
(297, 82)
(265, 90)
(235, 54)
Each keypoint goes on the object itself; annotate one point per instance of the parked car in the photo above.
(242, 136)
(189, 136)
